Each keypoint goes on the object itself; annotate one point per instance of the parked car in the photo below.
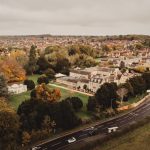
(71, 140)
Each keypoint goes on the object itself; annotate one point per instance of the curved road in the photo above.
(136, 114)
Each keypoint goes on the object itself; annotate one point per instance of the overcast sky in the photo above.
(74, 17)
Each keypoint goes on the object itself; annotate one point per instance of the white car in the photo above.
(71, 140)
(36, 148)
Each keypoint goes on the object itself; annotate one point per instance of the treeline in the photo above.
(58, 59)
(109, 95)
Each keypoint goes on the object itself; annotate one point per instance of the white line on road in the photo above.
(55, 144)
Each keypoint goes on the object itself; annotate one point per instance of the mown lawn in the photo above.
(139, 139)
(16, 100)
(33, 78)
(134, 99)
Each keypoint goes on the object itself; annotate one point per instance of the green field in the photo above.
(16, 100)
(134, 99)
(33, 78)
(139, 139)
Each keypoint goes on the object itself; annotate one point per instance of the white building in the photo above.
(17, 88)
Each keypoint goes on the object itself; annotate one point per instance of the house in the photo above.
(80, 74)
(83, 84)
(17, 88)
(60, 75)
(69, 81)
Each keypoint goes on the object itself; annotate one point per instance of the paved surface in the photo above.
(69, 89)
(136, 114)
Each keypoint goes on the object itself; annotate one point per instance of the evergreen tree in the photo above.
(32, 67)
(3, 87)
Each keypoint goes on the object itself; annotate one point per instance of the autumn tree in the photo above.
(9, 127)
(43, 93)
(12, 71)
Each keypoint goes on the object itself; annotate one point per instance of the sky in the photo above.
(74, 17)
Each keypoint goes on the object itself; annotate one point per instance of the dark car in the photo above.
(93, 132)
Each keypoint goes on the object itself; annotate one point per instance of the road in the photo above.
(136, 114)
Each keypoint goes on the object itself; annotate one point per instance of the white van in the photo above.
(112, 129)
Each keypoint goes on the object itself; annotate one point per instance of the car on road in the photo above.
(93, 131)
(112, 129)
(36, 148)
(71, 140)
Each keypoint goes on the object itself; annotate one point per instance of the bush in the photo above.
(76, 103)
(43, 79)
(30, 84)
(50, 73)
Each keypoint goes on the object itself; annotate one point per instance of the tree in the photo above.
(43, 93)
(26, 138)
(85, 87)
(138, 84)
(32, 66)
(146, 78)
(43, 64)
(70, 120)
(76, 103)
(12, 71)
(84, 61)
(9, 127)
(122, 65)
(30, 84)
(122, 92)
(62, 66)
(32, 114)
(105, 48)
(109, 99)
(91, 105)
(50, 73)
(43, 79)
(3, 87)
(47, 123)
(73, 49)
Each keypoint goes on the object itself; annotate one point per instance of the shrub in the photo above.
(30, 84)
(43, 79)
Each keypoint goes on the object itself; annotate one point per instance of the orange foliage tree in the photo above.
(42, 92)
(12, 70)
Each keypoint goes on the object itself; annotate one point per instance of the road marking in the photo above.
(83, 135)
(55, 144)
